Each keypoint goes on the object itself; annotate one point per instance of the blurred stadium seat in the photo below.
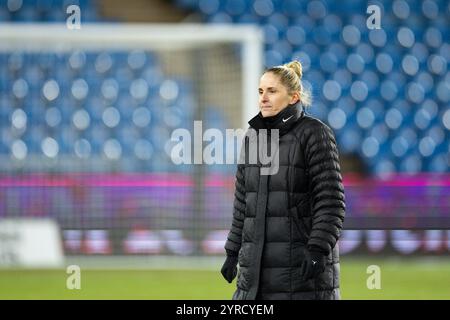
(406, 60)
(400, 63)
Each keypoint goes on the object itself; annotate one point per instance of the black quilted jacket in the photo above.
(277, 217)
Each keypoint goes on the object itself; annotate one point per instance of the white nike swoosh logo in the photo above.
(284, 120)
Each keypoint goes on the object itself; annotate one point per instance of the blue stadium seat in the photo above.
(364, 82)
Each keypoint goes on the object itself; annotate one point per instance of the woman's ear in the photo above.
(295, 98)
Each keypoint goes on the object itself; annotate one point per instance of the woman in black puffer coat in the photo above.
(286, 225)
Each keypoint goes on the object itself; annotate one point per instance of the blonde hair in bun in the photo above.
(291, 74)
(296, 66)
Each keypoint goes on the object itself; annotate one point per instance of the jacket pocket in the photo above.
(301, 230)
(298, 219)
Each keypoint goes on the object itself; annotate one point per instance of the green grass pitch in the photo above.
(408, 278)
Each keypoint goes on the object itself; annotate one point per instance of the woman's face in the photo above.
(273, 95)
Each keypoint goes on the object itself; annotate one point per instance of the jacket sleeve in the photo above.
(326, 188)
(233, 242)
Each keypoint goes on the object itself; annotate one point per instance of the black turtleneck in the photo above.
(271, 121)
(282, 121)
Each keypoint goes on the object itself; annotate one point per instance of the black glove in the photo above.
(313, 265)
(229, 268)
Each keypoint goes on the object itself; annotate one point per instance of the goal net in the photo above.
(86, 122)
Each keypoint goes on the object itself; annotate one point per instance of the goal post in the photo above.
(164, 37)
(85, 119)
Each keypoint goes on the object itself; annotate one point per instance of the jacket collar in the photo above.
(283, 121)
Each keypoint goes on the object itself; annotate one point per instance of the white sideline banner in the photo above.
(30, 243)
